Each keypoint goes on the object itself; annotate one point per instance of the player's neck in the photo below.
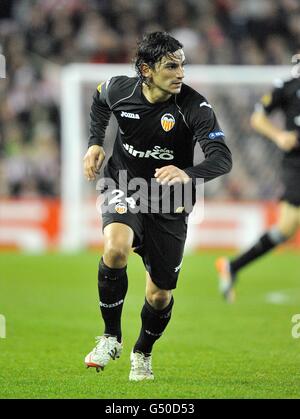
(155, 95)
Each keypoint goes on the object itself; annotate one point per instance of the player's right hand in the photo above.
(287, 140)
(92, 161)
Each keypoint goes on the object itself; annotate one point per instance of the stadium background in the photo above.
(40, 38)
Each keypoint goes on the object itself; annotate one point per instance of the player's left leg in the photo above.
(155, 315)
(162, 255)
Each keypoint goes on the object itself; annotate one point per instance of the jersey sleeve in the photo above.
(272, 100)
(202, 121)
(99, 115)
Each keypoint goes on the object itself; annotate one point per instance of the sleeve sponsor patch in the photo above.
(216, 134)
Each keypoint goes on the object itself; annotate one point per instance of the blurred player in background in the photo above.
(286, 98)
(160, 120)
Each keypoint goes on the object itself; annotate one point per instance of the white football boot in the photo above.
(141, 368)
(107, 348)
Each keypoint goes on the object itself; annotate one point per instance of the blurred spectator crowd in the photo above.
(37, 37)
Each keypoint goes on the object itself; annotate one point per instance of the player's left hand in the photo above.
(287, 140)
(171, 175)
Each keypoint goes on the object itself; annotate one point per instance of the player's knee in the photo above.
(287, 229)
(116, 256)
(288, 220)
(159, 299)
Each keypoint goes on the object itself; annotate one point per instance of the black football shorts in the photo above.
(291, 183)
(158, 238)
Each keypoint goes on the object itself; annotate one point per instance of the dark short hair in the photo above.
(152, 48)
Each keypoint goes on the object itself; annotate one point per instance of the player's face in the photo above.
(168, 74)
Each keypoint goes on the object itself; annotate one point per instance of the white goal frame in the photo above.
(72, 122)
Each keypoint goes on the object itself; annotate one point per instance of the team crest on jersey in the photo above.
(121, 208)
(167, 122)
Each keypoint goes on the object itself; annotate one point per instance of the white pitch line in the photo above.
(278, 298)
(286, 296)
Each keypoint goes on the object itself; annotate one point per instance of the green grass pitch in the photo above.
(210, 349)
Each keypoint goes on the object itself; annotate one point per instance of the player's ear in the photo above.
(146, 71)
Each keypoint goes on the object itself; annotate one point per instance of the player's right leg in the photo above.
(285, 229)
(112, 287)
(162, 256)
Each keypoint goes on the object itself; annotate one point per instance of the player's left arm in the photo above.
(202, 121)
(204, 125)
(171, 175)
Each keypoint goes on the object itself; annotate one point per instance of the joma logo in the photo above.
(130, 115)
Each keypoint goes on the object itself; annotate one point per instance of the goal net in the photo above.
(231, 90)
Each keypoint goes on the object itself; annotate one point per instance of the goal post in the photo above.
(78, 81)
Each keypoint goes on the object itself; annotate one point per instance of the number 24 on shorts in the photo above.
(117, 199)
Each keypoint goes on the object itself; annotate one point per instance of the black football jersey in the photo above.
(286, 97)
(151, 135)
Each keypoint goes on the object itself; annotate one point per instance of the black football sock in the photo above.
(112, 287)
(266, 243)
(154, 323)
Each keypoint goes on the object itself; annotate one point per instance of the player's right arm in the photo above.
(100, 115)
(261, 123)
(92, 161)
